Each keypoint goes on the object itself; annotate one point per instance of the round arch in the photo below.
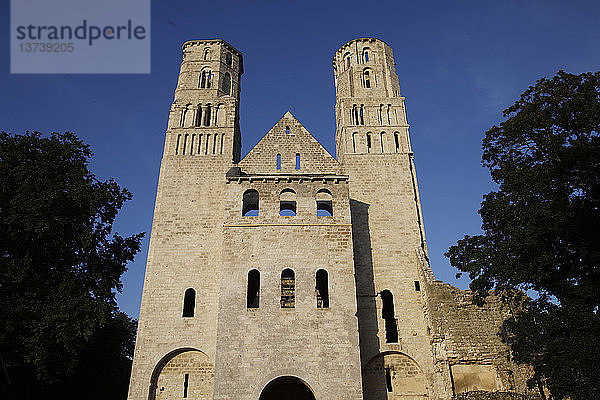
(169, 379)
(393, 372)
(288, 387)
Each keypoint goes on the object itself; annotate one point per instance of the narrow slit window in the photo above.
(278, 161)
(226, 84)
(185, 140)
(366, 56)
(192, 144)
(189, 303)
(388, 379)
(417, 286)
(355, 114)
(177, 145)
(288, 289)
(228, 59)
(354, 142)
(397, 142)
(368, 142)
(297, 160)
(207, 54)
(198, 121)
(199, 145)
(186, 382)
(222, 140)
(287, 130)
(322, 289)
(207, 116)
(389, 120)
(324, 203)
(182, 120)
(215, 143)
(366, 79)
(382, 141)
(387, 312)
(287, 203)
(362, 116)
(205, 79)
(250, 203)
(252, 297)
(207, 142)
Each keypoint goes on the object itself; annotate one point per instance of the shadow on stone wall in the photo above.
(483, 395)
(366, 303)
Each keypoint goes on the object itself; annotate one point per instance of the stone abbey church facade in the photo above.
(290, 274)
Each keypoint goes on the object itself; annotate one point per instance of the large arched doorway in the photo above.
(288, 388)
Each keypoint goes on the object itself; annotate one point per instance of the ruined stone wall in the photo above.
(477, 357)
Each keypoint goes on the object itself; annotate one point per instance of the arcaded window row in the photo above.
(201, 115)
(287, 203)
(288, 291)
(367, 139)
(386, 115)
(288, 298)
(209, 143)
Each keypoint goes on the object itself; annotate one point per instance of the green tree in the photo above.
(61, 334)
(541, 231)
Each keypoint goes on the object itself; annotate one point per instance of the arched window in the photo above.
(389, 120)
(397, 141)
(207, 143)
(206, 79)
(177, 145)
(252, 296)
(366, 55)
(226, 84)
(322, 289)
(222, 140)
(189, 303)
(347, 60)
(354, 115)
(198, 121)
(192, 144)
(382, 141)
(288, 288)
(324, 203)
(278, 161)
(354, 135)
(250, 203)
(387, 312)
(287, 203)
(183, 113)
(297, 160)
(207, 115)
(368, 142)
(228, 59)
(287, 130)
(380, 114)
(362, 114)
(215, 136)
(206, 54)
(366, 78)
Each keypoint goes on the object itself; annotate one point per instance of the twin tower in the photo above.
(290, 274)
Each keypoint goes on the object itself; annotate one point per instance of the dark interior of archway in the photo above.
(286, 388)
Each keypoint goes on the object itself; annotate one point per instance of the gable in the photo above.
(288, 138)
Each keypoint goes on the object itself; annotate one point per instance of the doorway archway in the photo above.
(287, 387)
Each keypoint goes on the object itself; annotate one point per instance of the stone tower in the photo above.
(289, 274)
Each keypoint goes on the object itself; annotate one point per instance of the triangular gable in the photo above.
(287, 138)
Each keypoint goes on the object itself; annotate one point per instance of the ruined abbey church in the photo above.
(290, 274)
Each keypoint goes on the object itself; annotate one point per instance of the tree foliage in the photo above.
(60, 268)
(541, 231)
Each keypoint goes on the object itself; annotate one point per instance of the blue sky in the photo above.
(460, 63)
